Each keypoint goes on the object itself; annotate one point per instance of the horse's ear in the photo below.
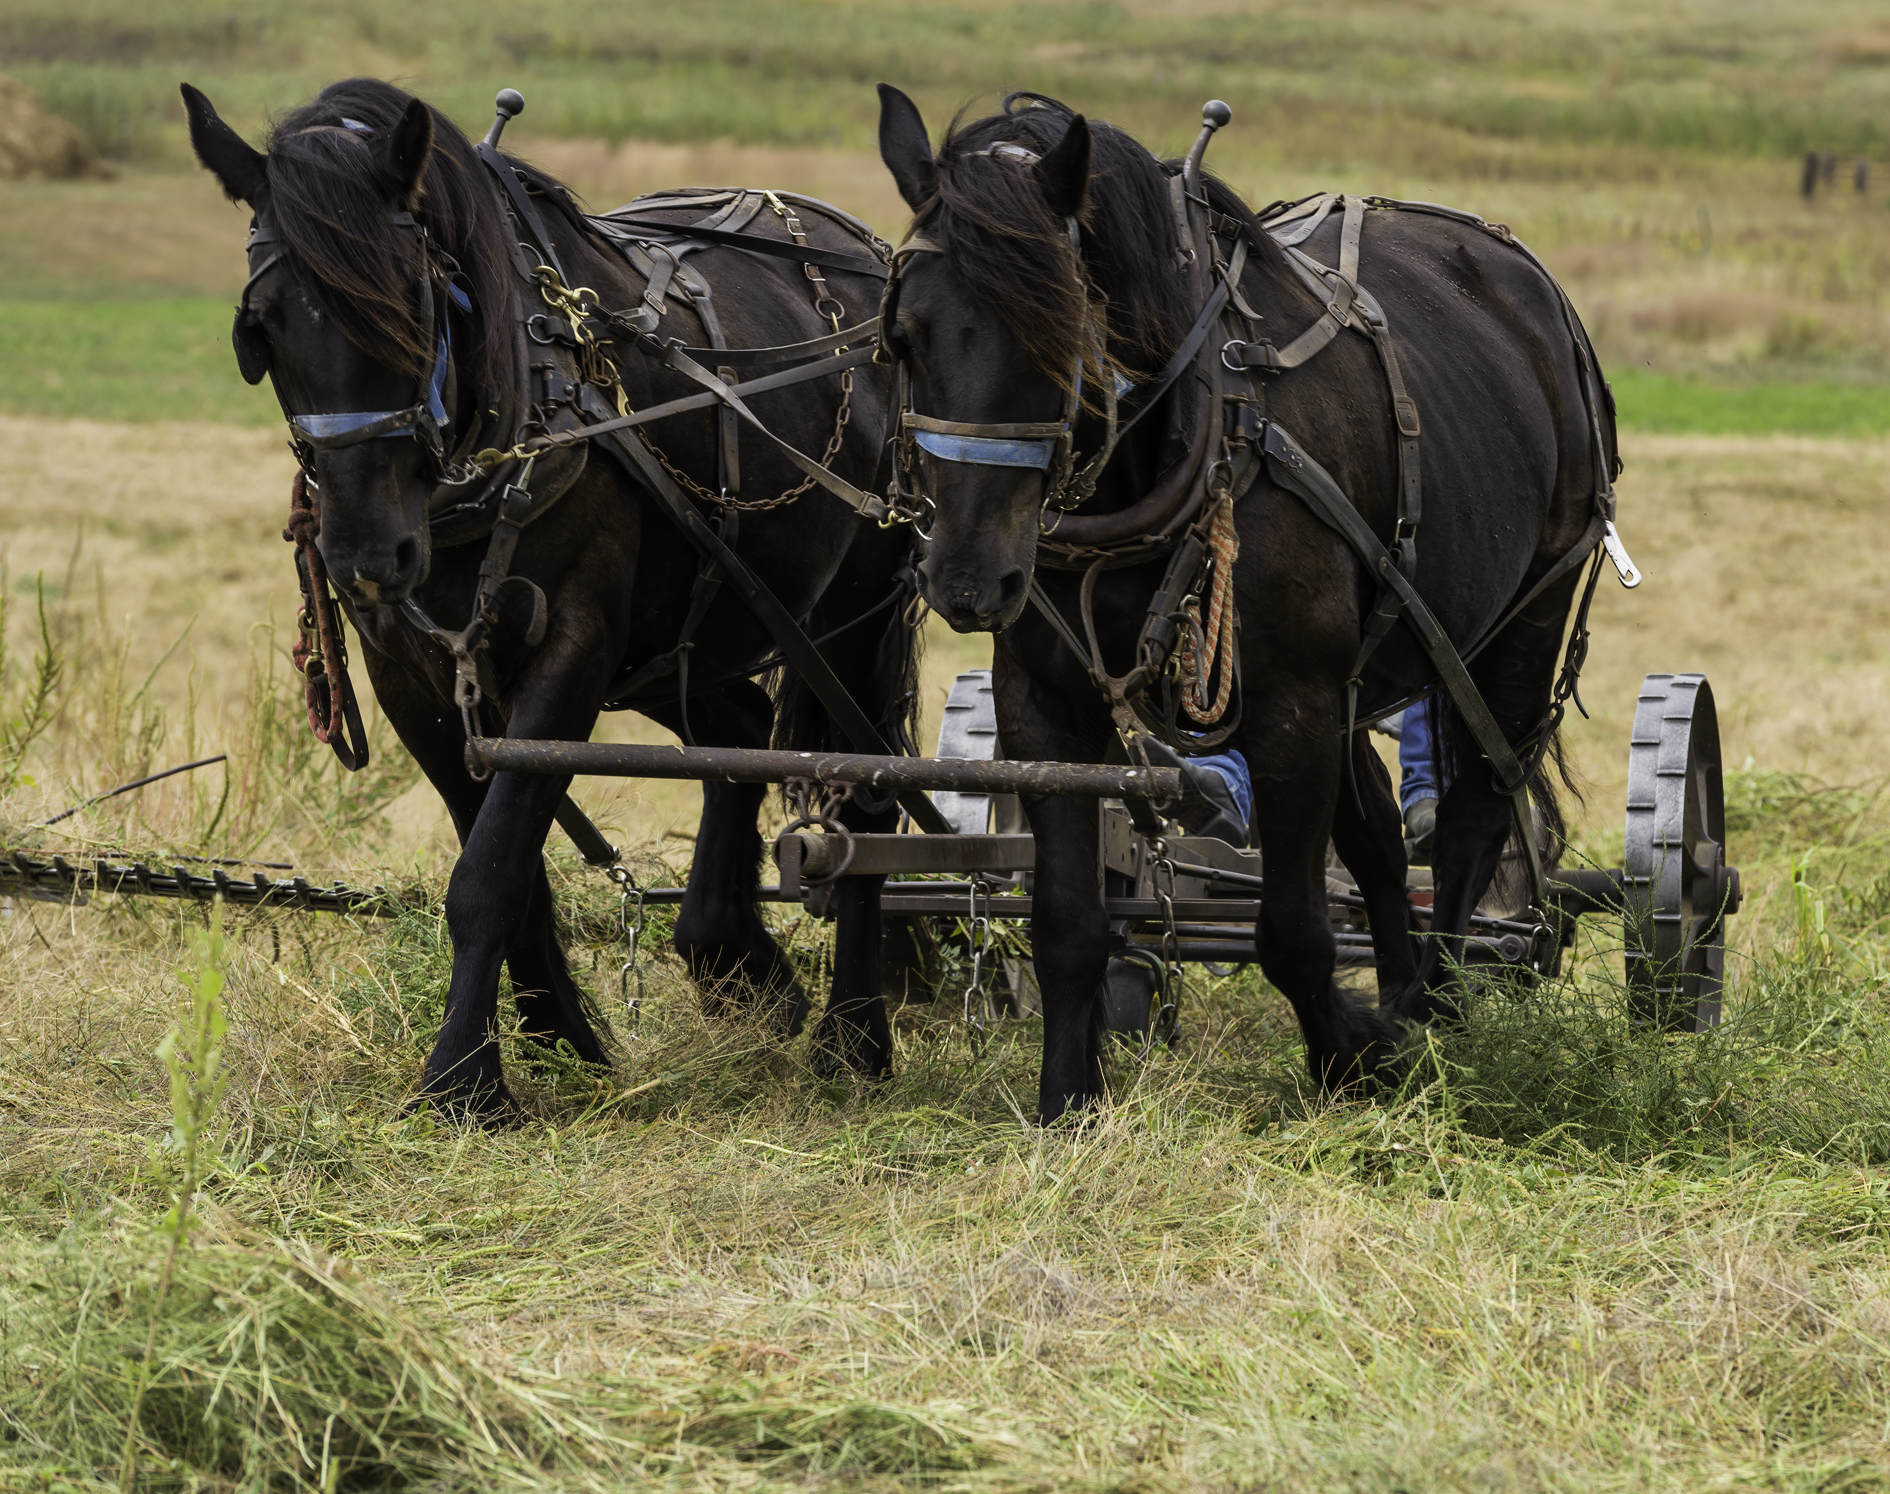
(905, 148)
(241, 169)
(410, 149)
(1064, 172)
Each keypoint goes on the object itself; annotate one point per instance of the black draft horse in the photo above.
(992, 328)
(340, 318)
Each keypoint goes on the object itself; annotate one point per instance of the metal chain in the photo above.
(978, 1020)
(577, 306)
(825, 304)
(745, 505)
(632, 924)
(799, 792)
(1164, 1021)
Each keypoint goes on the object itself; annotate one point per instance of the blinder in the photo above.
(246, 332)
(252, 347)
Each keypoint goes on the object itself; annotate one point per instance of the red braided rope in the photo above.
(317, 655)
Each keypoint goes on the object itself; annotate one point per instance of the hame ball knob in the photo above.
(1215, 114)
(509, 102)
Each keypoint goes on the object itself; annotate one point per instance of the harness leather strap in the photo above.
(663, 266)
(508, 178)
(832, 259)
(1309, 215)
(1149, 395)
(1295, 470)
(860, 502)
(1313, 341)
(1584, 547)
(789, 352)
(842, 709)
(1349, 231)
(853, 358)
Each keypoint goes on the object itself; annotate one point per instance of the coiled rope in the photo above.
(1203, 645)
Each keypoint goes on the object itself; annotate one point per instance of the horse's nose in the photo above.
(972, 602)
(380, 579)
(1002, 600)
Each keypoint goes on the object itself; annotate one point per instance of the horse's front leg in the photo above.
(855, 1029)
(1069, 935)
(731, 956)
(498, 904)
(552, 1008)
(491, 903)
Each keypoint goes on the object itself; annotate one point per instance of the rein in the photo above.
(320, 654)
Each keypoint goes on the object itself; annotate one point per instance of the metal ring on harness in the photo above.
(547, 339)
(801, 790)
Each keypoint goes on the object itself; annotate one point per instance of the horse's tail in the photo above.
(885, 681)
(1549, 768)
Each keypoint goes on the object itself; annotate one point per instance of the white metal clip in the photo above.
(1624, 565)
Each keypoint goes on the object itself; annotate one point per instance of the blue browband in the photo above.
(1041, 446)
(328, 427)
(985, 451)
(992, 451)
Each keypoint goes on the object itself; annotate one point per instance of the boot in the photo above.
(1420, 826)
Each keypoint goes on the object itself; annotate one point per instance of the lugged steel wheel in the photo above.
(1679, 889)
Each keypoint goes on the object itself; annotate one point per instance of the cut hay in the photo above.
(268, 1364)
(37, 146)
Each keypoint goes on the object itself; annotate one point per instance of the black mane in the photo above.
(328, 189)
(998, 232)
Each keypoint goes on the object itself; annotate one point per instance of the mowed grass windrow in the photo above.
(1566, 1254)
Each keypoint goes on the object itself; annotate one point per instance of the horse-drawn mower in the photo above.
(1176, 899)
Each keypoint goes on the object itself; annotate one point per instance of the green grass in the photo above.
(169, 359)
(1756, 80)
(1656, 403)
(166, 359)
(1569, 1255)
(1565, 1253)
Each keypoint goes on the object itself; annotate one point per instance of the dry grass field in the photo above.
(1565, 1254)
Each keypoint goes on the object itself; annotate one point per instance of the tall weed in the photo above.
(91, 718)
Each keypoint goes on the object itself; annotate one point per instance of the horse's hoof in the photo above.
(787, 1012)
(1366, 1058)
(1081, 1112)
(1417, 1007)
(834, 1053)
(481, 1111)
(482, 1100)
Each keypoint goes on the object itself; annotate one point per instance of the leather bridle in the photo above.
(424, 421)
(1046, 446)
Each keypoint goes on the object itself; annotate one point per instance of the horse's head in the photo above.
(989, 316)
(348, 315)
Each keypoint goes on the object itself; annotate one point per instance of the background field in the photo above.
(1565, 1255)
